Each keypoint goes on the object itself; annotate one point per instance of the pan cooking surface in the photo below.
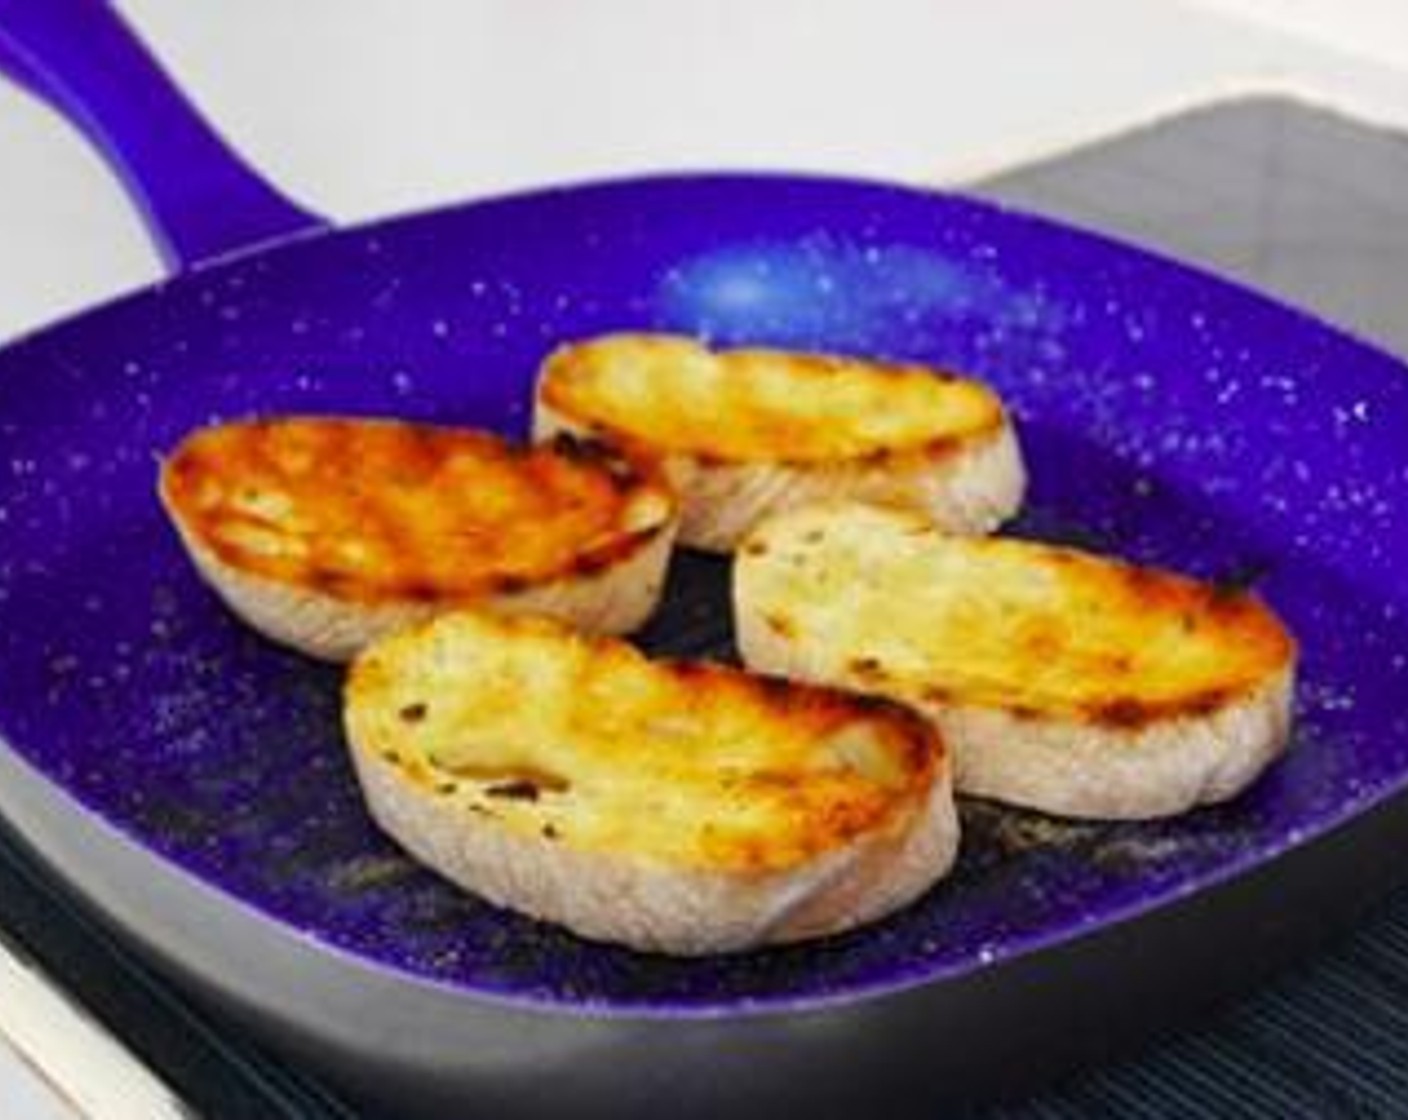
(1165, 416)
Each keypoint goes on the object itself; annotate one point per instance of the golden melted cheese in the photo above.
(677, 397)
(374, 510)
(881, 600)
(586, 742)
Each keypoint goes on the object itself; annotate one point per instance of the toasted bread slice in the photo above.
(1062, 681)
(750, 433)
(326, 533)
(684, 808)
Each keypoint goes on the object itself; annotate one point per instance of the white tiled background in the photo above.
(366, 107)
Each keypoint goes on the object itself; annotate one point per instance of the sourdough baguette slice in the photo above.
(324, 534)
(677, 807)
(1061, 681)
(750, 433)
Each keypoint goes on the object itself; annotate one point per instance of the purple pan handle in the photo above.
(200, 200)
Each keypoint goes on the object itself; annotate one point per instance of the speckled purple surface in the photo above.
(1165, 415)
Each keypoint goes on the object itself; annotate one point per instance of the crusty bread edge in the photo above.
(1076, 767)
(1079, 769)
(615, 599)
(970, 488)
(656, 907)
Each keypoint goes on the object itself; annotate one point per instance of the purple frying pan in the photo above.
(189, 780)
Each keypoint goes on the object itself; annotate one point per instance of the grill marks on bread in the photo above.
(705, 764)
(746, 434)
(748, 405)
(1065, 681)
(678, 806)
(375, 510)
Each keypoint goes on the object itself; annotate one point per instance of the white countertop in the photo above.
(367, 107)
(56, 1063)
